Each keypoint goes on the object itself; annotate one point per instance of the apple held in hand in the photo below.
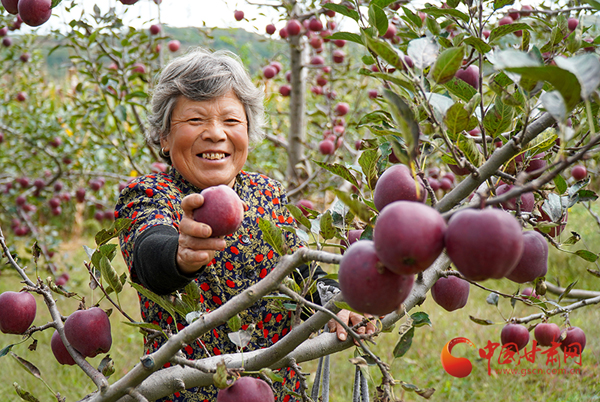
(409, 236)
(451, 293)
(368, 286)
(516, 334)
(484, 244)
(88, 331)
(17, 312)
(222, 210)
(247, 389)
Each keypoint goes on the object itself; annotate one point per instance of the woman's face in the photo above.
(208, 141)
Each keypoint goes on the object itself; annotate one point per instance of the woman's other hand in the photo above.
(196, 247)
(351, 319)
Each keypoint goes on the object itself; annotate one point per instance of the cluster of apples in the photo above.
(32, 12)
(516, 337)
(376, 276)
(333, 139)
(88, 331)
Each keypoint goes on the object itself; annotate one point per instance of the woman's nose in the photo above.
(214, 130)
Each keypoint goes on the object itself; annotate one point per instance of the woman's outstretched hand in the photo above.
(196, 247)
(351, 319)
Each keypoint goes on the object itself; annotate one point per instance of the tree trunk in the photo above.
(297, 134)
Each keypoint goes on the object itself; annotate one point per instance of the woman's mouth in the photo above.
(213, 156)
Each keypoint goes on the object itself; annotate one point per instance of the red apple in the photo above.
(238, 15)
(11, 6)
(391, 31)
(222, 210)
(269, 72)
(303, 204)
(451, 293)
(341, 109)
(128, 2)
(315, 25)
(174, 45)
(59, 350)
(317, 61)
(367, 286)
(409, 236)
(534, 260)
(138, 68)
(35, 12)
(270, 29)
(571, 22)
(484, 244)
(514, 14)
(579, 172)
(283, 33)
(247, 389)
(470, 75)
(505, 21)
(21, 96)
(516, 334)
(155, 29)
(397, 184)
(293, 27)
(88, 331)
(527, 199)
(546, 333)
(575, 340)
(285, 90)
(338, 56)
(327, 147)
(526, 8)
(17, 312)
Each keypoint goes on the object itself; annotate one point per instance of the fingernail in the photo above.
(342, 337)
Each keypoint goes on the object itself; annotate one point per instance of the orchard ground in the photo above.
(420, 366)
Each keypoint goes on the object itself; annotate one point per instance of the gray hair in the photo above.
(201, 75)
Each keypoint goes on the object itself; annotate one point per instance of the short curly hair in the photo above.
(202, 75)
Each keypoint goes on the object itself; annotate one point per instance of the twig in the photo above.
(574, 293)
(558, 310)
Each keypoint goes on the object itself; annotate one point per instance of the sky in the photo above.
(178, 13)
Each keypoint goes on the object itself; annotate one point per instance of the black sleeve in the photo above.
(155, 260)
(303, 272)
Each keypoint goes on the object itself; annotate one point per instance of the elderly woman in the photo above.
(205, 112)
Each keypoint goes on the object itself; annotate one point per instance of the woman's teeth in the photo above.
(213, 155)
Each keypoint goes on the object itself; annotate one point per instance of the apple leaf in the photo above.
(587, 195)
(28, 366)
(586, 69)
(404, 343)
(162, 302)
(478, 44)
(420, 318)
(24, 395)
(561, 184)
(405, 120)
(271, 375)
(504, 30)
(566, 292)
(423, 52)
(221, 376)
(349, 36)
(468, 147)
(298, 215)
(498, 119)
(108, 250)
(377, 18)
(55, 3)
(412, 17)
(6, 349)
(498, 4)
(339, 170)
(338, 8)
(443, 12)
(398, 80)
(481, 321)
(447, 64)
(357, 207)
(384, 50)
(543, 142)
(272, 235)
(241, 339)
(326, 225)
(368, 162)
(554, 104)
(110, 275)
(492, 299)
(525, 40)
(457, 119)
(440, 104)
(460, 89)
(587, 255)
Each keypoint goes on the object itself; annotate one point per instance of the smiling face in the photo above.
(208, 141)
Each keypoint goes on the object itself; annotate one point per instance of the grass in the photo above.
(419, 366)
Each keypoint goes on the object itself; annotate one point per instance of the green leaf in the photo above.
(377, 116)
(543, 142)
(443, 12)
(298, 215)
(481, 321)
(349, 36)
(55, 3)
(377, 18)
(396, 79)
(271, 375)
(405, 119)
(386, 51)
(106, 235)
(478, 44)
(110, 275)
(586, 69)
(368, 162)
(357, 207)
(235, 323)
(404, 343)
(6, 349)
(554, 104)
(460, 89)
(339, 170)
(447, 64)
(161, 301)
(525, 39)
(146, 325)
(561, 184)
(412, 17)
(120, 113)
(468, 147)
(423, 52)
(587, 195)
(593, 3)
(587, 255)
(498, 119)
(504, 30)
(24, 395)
(338, 8)
(457, 119)
(326, 225)
(273, 235)
(420, 318)
(566, 292)
(108, 250)
(498, 4)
